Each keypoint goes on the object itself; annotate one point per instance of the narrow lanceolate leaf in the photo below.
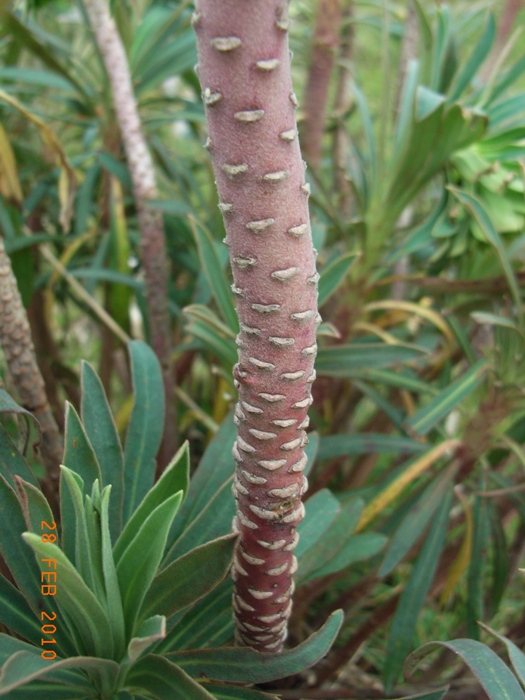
(495, 677)
(421, 422)
(413, 597)
(244, 69)
(145, 427)
(103, 436)
(243, 665)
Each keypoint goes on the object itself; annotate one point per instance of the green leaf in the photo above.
(145, 428)
(9, 405)
(402, 379)
(24, 667)
(343, 360)
(499, 561)
(495, 320)
(406, 103)
(333, 275)
(415, 522)
(139, 562)
(332, 542)
(190, 577)
(215, 468)
(494, 676)
(113, 598)
(474, 61)
(174, 478)
(16, 613)
(215, 274)
(424, 419)
(10, 645)
(413, 597)
(475, 603)
(248, 666)
(478, 212)
(368, 127)
(208, 623)
(75, 598)
(213, 521)
(321, 511)
(103, 436)
(26, 37)
(83, 561)
(18, 558)
(79, 455)
(46, 690)
(310, 451)
(12, 461)
(225, 692)
(516, 656)
(165, 680)
(150, 631)
(382, 402)
(369, 443)
(356, 548)
(208, 329)
(34, 505)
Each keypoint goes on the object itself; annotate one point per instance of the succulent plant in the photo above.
(117, 597)
(244, 69)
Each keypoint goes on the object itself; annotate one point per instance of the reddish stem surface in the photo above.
(244, 68)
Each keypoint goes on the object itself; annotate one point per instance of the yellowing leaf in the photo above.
(67, 180)
(382, 500)
(417, 309)
(462, 561)
(9, 184)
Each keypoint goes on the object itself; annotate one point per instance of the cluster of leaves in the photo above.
(137, 572)
(419, 407)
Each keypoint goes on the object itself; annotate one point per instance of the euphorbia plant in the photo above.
(112, 600)
(244, 69)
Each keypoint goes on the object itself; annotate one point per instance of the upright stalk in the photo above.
(324, 49)
(153, 246)
(19, 352)
(244, 69)
(342, 102)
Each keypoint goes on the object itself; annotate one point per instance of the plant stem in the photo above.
(19, 352)
(244, 68)
(324, 47)
(153, 246)
(342, 103)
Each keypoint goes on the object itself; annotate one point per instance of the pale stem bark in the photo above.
(140, 164)
(244, 69)
(19, 353)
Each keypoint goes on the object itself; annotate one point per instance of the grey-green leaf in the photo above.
(413, 597)
(145, 428)
(425, 418)
(103, 436)
(173, 479)
(139, 563)
(249, 666)
(165, 680)
(495, 677)
(77, 600)
(190, 577)
(150, 631)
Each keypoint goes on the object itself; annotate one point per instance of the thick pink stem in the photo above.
(244, 68)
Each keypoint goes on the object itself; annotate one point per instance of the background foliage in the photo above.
(416, 511)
